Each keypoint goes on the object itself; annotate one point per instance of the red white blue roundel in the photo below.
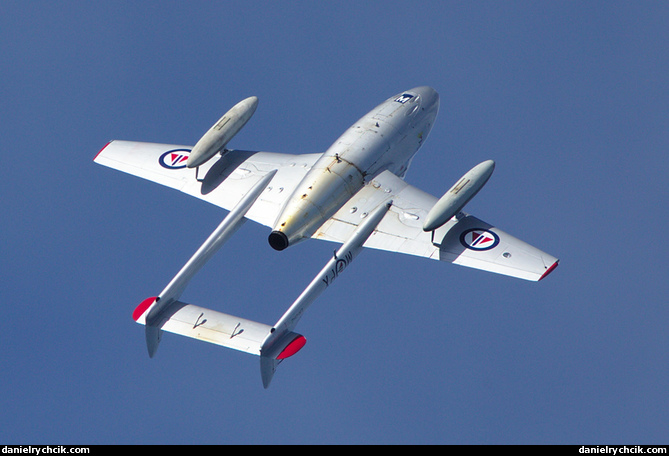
(174, 159)
(479, 239)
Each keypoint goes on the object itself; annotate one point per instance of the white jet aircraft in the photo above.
(353, 194)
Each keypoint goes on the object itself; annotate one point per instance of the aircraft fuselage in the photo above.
(386, 138)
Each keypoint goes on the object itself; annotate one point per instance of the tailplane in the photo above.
(217, 328)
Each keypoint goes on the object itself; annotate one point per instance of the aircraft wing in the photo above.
(463, 240)
(221, 182)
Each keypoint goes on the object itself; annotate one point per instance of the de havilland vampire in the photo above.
(353, 194)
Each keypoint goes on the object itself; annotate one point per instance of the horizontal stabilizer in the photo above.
(218, 328)
(210, 326)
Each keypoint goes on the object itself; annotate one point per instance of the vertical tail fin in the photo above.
(153, 335)
(267, 369)
(271, 356)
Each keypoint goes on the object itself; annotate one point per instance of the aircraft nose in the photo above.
(428, 95)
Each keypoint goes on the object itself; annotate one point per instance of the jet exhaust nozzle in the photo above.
(278, 240)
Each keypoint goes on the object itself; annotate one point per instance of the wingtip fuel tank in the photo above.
(459, 195)
(218, 136)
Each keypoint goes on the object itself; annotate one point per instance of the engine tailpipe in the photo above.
(278, 240)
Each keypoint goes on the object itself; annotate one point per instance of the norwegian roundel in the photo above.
(479, 239)
(174, 159)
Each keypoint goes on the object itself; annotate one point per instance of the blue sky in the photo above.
(569, 98)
